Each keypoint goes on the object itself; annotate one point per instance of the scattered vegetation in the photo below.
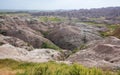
(50, 68)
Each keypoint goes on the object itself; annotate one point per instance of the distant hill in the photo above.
(95, 12)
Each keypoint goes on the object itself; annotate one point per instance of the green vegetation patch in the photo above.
(50, 46)
(50, 19)
(111, 29)
(51, 68)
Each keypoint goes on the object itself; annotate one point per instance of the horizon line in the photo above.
(55, 9)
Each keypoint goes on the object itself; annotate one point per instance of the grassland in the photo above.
(11, 67)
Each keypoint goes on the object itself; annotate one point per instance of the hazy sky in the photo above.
(56, 4)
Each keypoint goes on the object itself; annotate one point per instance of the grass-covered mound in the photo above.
(49, 68)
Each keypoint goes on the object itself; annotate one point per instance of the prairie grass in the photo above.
(50, 68)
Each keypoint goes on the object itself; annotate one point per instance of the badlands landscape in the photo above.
(73, 42)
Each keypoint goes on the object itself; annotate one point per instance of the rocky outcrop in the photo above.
(8, 51)
(35, 33)
(103, 53)
(71, 37)
(109, 40)
(20, 28)
(15, 42)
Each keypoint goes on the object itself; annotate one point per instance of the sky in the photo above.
(56, 4)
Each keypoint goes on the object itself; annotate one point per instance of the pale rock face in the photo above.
(37, 55)
(15, 42)
(9, 51)
(49, 54)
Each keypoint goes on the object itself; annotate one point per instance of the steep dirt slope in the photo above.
(73, 36)
(102, 53)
